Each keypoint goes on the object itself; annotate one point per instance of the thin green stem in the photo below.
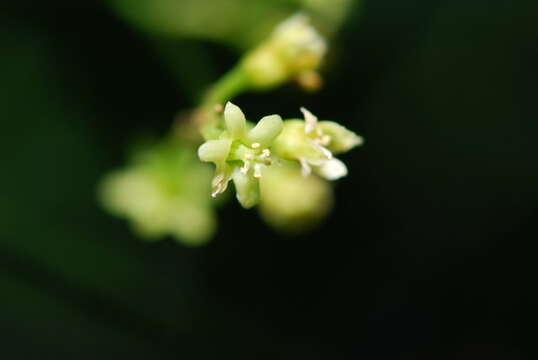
(226, 88)
(205, 121)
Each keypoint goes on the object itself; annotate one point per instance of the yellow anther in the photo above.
(325, 140)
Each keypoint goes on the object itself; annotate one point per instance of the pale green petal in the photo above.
(191, 224)
(131, 193)
(235, 121)
(247, 189)
(342, 139)
(266, 130)
(294, 143)
(333, 169)
(215, 150)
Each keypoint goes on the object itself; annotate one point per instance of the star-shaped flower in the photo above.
(313, 143)
(240, 154)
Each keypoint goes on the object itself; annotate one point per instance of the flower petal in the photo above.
(247, 189)
(294, 144)
(332, 169)
(266, 130)
(310, 121)
(215, 150)
(341, 139)
(235, 120)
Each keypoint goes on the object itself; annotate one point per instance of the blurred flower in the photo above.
(241, 154)
(313, 143)
(291, 202)
(294, 50)
(163, 192)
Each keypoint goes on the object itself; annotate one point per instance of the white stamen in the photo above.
(219, 185)
(249, 157)
(310, 121)
(265, 153)
(257, 171)
(218, 190)
(255, 145)
(244, 168)
(326, 152)
(306, 170)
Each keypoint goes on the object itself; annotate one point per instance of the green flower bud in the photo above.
(293, 48)
(298, 43)
(291, 202)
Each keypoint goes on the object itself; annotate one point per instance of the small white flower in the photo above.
(241, 154)
(294, 50)
(313, 143)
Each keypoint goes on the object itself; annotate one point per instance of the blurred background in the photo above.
(426, 255)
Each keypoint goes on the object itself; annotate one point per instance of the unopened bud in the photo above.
(293, 49)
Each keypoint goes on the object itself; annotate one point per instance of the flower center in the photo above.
(255, 158)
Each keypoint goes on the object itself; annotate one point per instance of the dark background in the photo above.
(427, 254)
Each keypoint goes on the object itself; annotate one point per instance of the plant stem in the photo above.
(204, 122)
(230, 85)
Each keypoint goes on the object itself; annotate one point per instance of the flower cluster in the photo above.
(163, 191)
(294, 50)
(281, 165)
(241, 154)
